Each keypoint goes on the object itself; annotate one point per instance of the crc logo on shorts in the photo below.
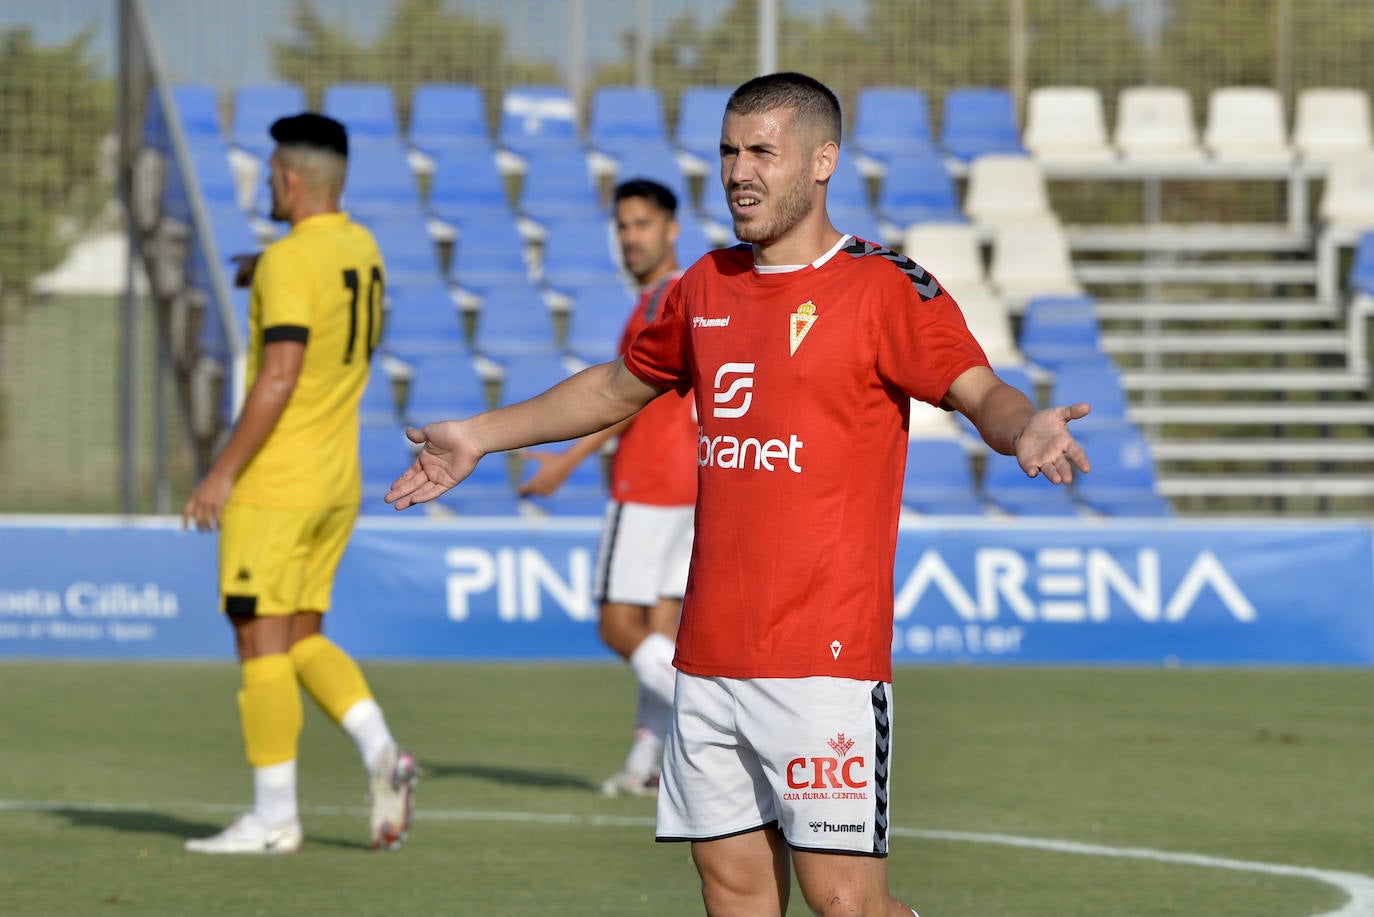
(734, 390)
(829, 772)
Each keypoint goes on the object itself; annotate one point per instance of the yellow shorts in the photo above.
(280, 561)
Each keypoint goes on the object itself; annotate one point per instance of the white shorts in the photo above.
(644, 554)
(809, 754)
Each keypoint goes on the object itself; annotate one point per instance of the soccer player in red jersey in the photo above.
(803, 347)
(646, 542)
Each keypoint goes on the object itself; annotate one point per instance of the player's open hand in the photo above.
(447, 457)
(1046, 447)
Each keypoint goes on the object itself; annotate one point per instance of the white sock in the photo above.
(652, 720)
(274, 792)
(365, 724)
(652, 662)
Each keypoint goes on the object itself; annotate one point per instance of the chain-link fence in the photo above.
(64, 415)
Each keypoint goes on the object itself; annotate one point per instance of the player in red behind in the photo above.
(646, 542)
(803, 350)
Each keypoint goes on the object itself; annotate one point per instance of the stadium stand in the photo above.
(368, 110)
(558, 186)
(1006, 188)
(930, 422)
(448, 117)
(514, 321)
(1154, 124)
(422, 317)
(918, 189)
(577, 253)
(1098, 382)
(978, 122)
(596, 321)
(692, 239)
(583, 493)
(380, 181)
(1067, 124)
(384, 452)
(951, 251)
(487, 491)
(489, 254)
(939, 479)
(408, 251)
(198, 106)
(1058, 330)
(1008, 488)
(1122, 480)
(656, 161)
(467, 187)
(698, 126)
(1031, 259)
(441, 385)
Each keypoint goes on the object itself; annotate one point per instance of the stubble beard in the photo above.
(792, 207)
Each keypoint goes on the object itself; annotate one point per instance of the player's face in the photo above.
(646, 234)
(766, 170)
(280, 188)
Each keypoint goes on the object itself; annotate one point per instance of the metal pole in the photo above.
(128, 390)
(644, 39)
(1283, 48)
(577, 51)
(768, 36)
(1018, 54)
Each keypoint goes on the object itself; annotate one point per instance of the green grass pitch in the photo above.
(106, 769)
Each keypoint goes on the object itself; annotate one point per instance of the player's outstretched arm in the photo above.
(592, 400)
(1009, 423)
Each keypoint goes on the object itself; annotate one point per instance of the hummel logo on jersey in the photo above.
(800, 323)
(699, 322)
(743, 381)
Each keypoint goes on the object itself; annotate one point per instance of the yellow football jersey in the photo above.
(322, 284)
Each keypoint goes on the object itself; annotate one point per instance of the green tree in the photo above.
(422, 42)
(54, 110)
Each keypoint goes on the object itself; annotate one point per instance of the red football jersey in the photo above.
(802, 379)
(653, 460)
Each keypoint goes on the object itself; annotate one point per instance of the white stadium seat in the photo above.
(1246, 124)
(1332, 123)
(1032, 259)
(930, 422)
(1005, 188)
(1067, 124)
(1347, 201)
(989, 320)
(1155, 124)
(950, 251)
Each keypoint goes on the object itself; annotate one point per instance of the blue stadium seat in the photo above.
(442, 385)
(1122, 482)
(584, 493)
(1097, 382)
(655, 161)
(891, 121)
(467, 186)
(623, 118)
(379, 181)
(367, 110)
(489, 255)
(256, 106)
(848, 188)
(487, 491)
(597, 320)
(528, 374)
(1017, 378)
(409, 253)
(514, 321)
(1006, 485)
(422, 318)
(558, 185)
(1060, 329)
(979, 121)
(858, 221)
(215, 178)
(700, 110)
(1361, 277)
(448, 116)
(939, 479)
(578, 253)
(384, 453)
(919, 189)
(692, 241)
(714, 205)
(537, 118)
(198, 106)
(378, 406)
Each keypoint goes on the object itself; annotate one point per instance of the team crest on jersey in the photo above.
(800, 323)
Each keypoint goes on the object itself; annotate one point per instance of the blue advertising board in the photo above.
(980, 591)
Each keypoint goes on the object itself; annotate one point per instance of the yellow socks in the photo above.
(270, 710)
(330, 675)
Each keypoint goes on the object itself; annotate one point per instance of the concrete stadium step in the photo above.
(1258, 273)
(1188, 237)
(1266, 485)
(1245, 449)
(1248, 380)
(1227, 342)
(1206, 310)
(1267, 413)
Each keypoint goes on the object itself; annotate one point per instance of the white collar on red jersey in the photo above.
(789, 268)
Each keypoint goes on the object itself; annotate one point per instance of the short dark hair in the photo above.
(310, 129)
(811, 99)
(651, 191)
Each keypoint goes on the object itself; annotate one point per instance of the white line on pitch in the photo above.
(1359, 889)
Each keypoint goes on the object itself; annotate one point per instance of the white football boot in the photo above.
(250, 834)
(629, 783)
(393, 784)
